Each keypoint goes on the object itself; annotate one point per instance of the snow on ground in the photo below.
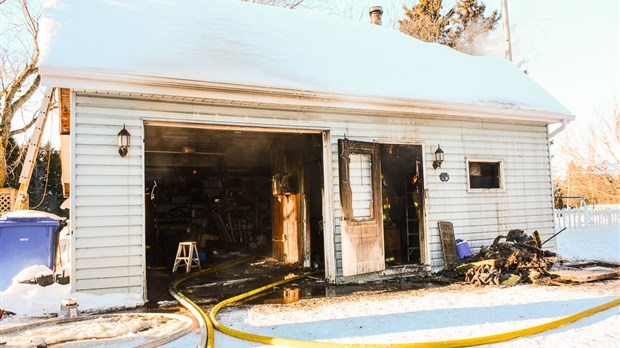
(439, 314)
(594, 244)
(120, 330)
(408, 316)
(28, 300)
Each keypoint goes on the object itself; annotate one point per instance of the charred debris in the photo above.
(519, 258)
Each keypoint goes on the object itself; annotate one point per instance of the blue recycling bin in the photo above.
(25, 242)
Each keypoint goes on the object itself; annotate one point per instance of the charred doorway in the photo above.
(233, 190)
(403, 201)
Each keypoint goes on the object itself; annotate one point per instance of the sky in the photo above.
(571, 50)
(570, 47)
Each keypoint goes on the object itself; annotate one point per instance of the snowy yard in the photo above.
(453, 312)
(435, 315)
(448, 313)
(594, 244)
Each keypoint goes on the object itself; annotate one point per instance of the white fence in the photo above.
(587, 217)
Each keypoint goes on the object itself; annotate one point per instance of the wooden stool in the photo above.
(187, 254)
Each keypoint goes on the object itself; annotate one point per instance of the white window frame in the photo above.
(361, 214)
(486, 160)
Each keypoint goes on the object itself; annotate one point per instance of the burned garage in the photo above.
(304, 143)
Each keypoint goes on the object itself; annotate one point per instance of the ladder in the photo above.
(412, 223)
(33, 149)
(412, 233)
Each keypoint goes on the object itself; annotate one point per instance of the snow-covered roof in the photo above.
(239, 43)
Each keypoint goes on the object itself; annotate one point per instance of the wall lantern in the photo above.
(438, 157)
(123, 142)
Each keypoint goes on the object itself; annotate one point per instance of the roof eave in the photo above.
(279, 98)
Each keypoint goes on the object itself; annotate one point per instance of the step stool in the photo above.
(187, 253)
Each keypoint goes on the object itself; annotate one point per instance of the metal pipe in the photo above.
(550, 238)
(560, 128)
(375, 12)
(507, 31)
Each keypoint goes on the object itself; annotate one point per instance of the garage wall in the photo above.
(107, 194)
(526, 202)
(109, 188)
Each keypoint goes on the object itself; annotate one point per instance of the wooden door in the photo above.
(287, 217)
(361, 214)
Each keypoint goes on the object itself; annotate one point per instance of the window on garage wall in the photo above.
(484, 175)
(360, 176)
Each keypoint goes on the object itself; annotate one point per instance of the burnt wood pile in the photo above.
(517, 260)
(484, 275)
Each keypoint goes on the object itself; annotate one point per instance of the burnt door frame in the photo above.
(362, 239)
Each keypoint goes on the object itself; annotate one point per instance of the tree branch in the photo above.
(292, 6)
(29, 70)
(24, 98)
(33, 25)
(24, 128)
(30, 124)
(10, 94)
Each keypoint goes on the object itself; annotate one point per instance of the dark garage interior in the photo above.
(232, 191)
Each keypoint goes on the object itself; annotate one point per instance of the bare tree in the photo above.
(19, 76)
(279, 3)
(592, 158)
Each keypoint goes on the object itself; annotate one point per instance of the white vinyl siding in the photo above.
(107, 191)
(525, 201)
(109, 188)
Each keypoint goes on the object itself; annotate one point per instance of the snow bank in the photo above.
(31, 300)
(120, 330)
(31, 214)
(590, 244)
(242, 43)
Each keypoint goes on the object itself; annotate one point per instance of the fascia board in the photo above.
(231, 94)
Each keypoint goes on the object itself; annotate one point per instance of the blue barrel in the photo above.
(24, 242)
(462, 249)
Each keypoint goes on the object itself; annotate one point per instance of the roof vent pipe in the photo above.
(375, 13)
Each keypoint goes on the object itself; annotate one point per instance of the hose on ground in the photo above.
(466, 342)
(206, 327)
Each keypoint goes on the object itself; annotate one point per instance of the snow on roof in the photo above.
(255, 45)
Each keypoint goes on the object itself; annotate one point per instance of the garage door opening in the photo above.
(233, 190)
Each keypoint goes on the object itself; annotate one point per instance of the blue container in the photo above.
(25, 242)
(462, 249)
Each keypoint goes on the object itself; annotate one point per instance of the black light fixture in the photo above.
(438, 157)
(123, 141)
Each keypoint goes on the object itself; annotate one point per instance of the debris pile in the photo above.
(519, 259)
(483, 275)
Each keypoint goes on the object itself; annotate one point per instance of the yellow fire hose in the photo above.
(474, 341)
(206, 328)
(208, 322)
